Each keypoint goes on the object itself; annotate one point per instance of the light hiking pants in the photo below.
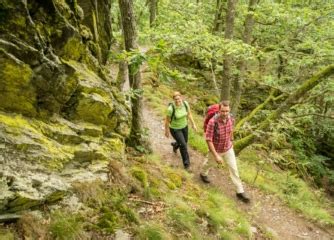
(230, 159)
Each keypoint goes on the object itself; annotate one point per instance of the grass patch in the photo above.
(6, 234)
(184, 220)
(116, 213)
(90, 193)
(32, 227)
(288, 187)
(153, 231)
(222, 217)
(197, 141)
(66, 226)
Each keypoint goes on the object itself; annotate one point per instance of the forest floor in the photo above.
(266, 212)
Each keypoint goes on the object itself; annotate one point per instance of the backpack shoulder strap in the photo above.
(215, 128)
(173, 111)
(185, 103)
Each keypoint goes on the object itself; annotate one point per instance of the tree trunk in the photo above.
(153, 5)
(247, 38)
(229, 27)
(130, 41)
(286, 105)
(218, 22)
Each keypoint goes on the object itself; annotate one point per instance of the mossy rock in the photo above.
(23, 201)
(73, 50)
(61, 133)
(93, 108)
(17, 92)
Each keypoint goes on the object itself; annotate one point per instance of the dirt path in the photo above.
(266, 211)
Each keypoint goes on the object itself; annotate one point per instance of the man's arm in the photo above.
(214, 152)
(231, 137)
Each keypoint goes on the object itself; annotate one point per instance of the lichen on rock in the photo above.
(58, 109)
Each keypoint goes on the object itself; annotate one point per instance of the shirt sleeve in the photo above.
(187, 105)
(210, 130)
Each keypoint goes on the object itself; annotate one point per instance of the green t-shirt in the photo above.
(180, 119)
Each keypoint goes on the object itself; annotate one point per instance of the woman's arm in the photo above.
(190, 117)
(167, 122)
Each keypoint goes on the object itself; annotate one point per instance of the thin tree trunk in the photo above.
(247, 38)
(130, 41)
(229, 27)
(218, 22)
(153, 5)
(214, 80)
(286, 105)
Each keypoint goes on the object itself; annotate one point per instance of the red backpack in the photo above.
(210, 112)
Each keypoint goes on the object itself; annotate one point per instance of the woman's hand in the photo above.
(195, 127)
(167, 133)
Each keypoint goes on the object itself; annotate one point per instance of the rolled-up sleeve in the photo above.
(209, 130)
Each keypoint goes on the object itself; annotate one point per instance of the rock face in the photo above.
(58, 109)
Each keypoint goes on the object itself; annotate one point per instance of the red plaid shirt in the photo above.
(222, 142)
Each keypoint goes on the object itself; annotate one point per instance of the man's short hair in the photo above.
(225, 103)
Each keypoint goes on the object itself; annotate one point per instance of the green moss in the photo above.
(171, 185)
(26, 136)
(140, 174)
(176, 179)
(22, 202)
(93, 108)
(19, 21)
(55, 196)
(74, 50)
(17, 92)
(6, 234)
(109, 220)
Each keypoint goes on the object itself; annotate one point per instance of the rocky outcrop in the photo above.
(58, 110)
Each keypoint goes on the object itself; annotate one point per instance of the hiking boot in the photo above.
(204, 178)
(187, 168)
(175, 146)
(243, 197)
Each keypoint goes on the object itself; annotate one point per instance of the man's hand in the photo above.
(219, 159)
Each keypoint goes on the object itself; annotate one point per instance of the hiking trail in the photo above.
(266, 212)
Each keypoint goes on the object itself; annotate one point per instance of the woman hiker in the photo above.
(176, 123)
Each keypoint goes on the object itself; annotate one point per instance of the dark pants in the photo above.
(181, 137)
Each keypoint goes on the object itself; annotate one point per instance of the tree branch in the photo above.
(313, 114)
(286, 105)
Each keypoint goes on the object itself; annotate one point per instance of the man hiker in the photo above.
(219, 136)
